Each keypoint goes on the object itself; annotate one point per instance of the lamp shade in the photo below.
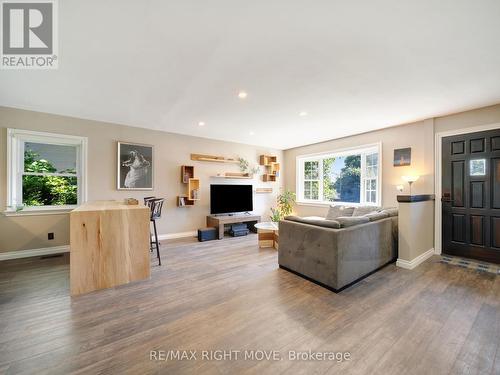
(410, 179)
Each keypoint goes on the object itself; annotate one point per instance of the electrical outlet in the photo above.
(50, 236)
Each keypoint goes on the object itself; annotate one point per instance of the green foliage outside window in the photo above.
(47, 190)
(347, 184)
(329, 192)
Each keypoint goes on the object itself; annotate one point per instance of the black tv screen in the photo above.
(225, 199)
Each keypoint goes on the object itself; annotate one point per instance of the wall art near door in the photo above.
(135, 166)
(402, 157)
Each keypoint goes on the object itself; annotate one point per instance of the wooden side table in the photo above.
(268, 233)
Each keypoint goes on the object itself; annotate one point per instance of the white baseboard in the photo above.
(171, 236)
(411, 264)
(34, 252)
(65, 248)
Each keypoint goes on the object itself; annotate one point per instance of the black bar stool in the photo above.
(156, 205)
(147, 202)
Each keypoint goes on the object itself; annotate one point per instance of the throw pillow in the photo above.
(392, 211)
(363, 210)
(350, 221)
(336, 211)
(318, 222)
(374, 216)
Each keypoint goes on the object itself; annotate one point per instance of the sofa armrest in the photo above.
(364, 248)
(309, 250)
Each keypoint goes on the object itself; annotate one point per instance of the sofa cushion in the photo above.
(363, 210)
(349, 221)
(338, 210)
(314, 221)
(374, 216)
(392, 211)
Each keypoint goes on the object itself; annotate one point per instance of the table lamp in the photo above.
(410, 180)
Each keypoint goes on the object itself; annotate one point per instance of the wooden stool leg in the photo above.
(157, 243)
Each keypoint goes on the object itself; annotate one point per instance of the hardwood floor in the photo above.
(230, 295)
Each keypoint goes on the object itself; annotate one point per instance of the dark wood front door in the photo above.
(471, 195)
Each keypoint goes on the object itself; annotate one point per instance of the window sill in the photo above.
(38, 212)
(314, 204)
(328, 204)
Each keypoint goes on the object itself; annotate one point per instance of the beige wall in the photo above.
(171, 151)
(415, 229)
(419, 136)
(477, 117)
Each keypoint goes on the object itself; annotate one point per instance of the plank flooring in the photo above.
(231, 295)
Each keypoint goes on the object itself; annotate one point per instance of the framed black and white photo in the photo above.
(402, 157)
(135, 166)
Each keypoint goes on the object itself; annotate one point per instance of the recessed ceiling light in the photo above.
(201, 123)
(303, 114)
(242, 95)
(252, 133)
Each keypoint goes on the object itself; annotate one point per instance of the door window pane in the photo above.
(478, 167)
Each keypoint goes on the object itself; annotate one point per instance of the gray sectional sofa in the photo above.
(336, 251)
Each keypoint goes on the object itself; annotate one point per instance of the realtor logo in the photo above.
(29, 34)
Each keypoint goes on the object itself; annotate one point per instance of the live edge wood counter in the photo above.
(109, 245)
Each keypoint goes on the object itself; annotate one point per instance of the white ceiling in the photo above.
(354, 66)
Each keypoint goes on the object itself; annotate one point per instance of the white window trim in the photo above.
(15, 137)
(300, 159)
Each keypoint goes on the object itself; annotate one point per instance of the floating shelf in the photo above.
(213, 158)
(234, 175)
(194, 189)
(267, 160)
(187, 172)
(263, 190)
(269, 177)
(187, 202)
(270, 162)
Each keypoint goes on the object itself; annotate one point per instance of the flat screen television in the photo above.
(226, 199)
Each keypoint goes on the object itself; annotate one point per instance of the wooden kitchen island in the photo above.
(109, 245)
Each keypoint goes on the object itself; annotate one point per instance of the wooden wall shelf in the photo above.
(187, 172)
(263, 190)
(234, 175)
(269, 177)
(187, 202)
(192, 186)
(270, 162)
(194, 189)
(213, 158)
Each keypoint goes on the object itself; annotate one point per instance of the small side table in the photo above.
(268, 234)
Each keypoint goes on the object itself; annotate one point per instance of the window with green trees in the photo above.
(344, 177)
(43, 184)
(45, 170)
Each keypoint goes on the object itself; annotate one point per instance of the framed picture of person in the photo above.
(135, 166)
(402, 157)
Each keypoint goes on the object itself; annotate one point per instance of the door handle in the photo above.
(446, 200)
